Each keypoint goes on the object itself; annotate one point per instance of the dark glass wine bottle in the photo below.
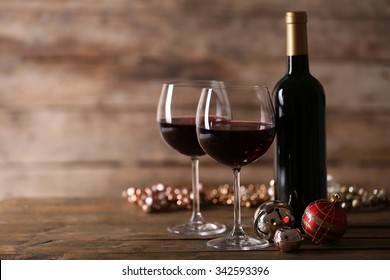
(300, 150)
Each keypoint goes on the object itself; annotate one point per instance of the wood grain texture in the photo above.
(113, 229)
(80, 80)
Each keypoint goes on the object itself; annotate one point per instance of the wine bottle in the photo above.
(300, 150)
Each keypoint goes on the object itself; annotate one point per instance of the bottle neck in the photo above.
(298, 65)
(297, 50)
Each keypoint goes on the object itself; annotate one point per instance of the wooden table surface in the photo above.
(111, 228)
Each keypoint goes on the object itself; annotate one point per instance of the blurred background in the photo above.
(80, 81)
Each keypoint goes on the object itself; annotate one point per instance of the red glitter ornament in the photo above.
(323, 221)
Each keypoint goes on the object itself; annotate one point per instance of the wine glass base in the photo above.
(197, 229)
(237, 243)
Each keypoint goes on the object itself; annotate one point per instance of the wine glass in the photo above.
(176, 120)
(236, 133)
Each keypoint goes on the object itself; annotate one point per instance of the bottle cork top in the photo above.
(296, 33)
(296, 17)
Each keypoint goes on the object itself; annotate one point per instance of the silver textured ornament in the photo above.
(271, 216)
(287, 239)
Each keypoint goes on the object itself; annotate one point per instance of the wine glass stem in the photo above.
(237, 228)
(196, 215)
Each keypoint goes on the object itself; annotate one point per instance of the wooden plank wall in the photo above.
(80, 80)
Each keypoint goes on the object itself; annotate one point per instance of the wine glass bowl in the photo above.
(235, 126)
(176, 121)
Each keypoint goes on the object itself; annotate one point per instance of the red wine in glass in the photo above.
(245, 141)
(236, 131)
(176, 121)
(180, 134)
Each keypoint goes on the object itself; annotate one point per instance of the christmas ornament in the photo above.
(323, 221)
(287, 239)
(271, 216)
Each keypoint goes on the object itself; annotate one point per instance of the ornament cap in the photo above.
(335, 199)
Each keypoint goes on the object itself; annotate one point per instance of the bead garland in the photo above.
(161, 198)
(355, 198)
(251, 195)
